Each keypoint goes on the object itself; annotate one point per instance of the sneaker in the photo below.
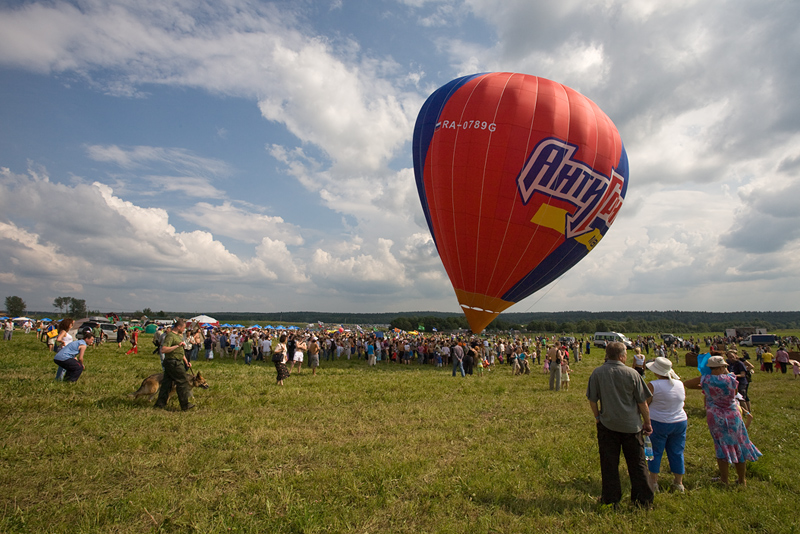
(678, 488)
(190, 407)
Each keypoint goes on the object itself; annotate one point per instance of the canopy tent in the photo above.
(256, 327)
(22, 319)
(205, 319)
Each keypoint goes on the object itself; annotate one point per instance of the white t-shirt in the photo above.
(668, 399)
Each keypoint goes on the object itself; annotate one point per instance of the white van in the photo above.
(601, 339)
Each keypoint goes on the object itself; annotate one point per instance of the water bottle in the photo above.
(648, 448)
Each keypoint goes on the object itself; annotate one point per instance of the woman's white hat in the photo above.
(662, 367)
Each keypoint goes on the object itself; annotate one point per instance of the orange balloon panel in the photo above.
(519, 178)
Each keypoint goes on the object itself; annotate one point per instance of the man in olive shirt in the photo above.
(621, 416)
(175, 365)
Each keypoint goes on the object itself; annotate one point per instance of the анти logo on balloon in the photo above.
(552, 171)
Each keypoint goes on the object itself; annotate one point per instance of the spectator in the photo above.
(70, 357)
(8, 329)
(731, 442)
(782, 358)
(669, 421)
(618, 398)
(766, 359)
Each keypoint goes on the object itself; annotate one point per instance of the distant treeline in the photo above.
(572, 321)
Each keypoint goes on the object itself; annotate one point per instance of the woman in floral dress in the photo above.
(731, 442)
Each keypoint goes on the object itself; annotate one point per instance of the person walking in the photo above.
(134, 342)
(618, 396)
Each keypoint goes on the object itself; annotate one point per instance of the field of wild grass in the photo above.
(354, 449)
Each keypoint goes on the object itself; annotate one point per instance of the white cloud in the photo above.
(377, 273)
(237, 223)
(145, 157)
(708, 115)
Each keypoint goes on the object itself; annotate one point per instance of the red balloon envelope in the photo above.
(519, 178)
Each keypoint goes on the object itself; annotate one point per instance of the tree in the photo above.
(61, 303)
(77, 308)
(15, 306)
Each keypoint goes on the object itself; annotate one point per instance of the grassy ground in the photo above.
(393, 449)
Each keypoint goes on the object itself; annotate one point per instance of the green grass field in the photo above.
(394, 449)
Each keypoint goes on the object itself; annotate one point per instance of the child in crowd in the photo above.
(795, 367)
(565, 371)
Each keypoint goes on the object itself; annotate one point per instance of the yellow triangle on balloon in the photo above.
(551, 217)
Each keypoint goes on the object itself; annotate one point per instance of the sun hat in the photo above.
(662, 367)
(716, 361)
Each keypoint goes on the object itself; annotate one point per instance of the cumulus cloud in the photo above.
(708, 116)
(237, 223)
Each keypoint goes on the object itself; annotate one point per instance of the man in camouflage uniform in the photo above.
(175, 366)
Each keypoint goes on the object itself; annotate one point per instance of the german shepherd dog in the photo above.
(152, 383)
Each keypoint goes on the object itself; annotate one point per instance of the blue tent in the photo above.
(269, 327)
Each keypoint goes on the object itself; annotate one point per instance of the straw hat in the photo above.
(716, 361)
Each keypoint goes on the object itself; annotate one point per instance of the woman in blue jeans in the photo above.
(669, 422)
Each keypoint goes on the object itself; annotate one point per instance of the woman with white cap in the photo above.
(669, 422)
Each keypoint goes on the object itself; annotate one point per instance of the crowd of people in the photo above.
(628, 410)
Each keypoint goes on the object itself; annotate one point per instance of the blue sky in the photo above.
(255, 156)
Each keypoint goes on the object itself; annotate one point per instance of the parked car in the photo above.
(601, 339)
(670, 340)
(109, 329)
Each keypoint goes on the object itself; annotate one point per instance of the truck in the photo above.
(759, 339)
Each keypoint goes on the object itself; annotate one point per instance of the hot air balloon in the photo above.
(519, 178)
